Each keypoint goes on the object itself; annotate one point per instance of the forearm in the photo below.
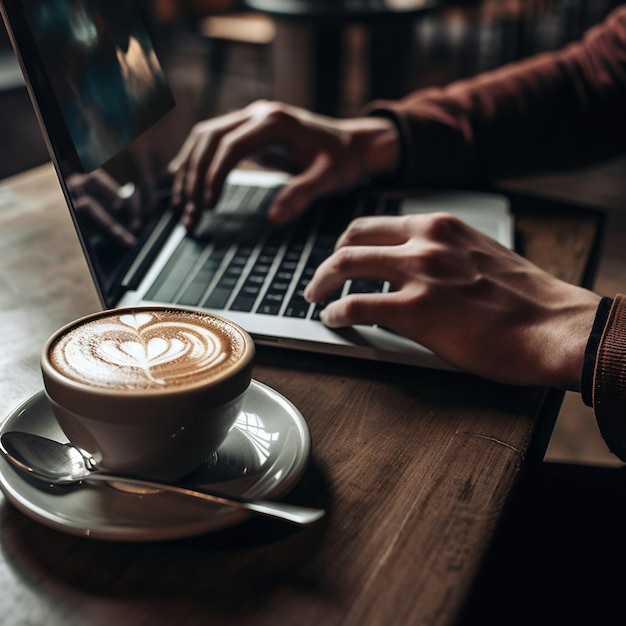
(555, 110)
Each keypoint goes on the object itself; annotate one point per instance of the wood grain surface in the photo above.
(416, 467)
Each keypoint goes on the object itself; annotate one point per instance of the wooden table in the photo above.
(415, 467)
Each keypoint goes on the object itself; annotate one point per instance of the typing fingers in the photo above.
(216, 147)
(365, 309)
(246, 139)
(421, 256)
(303, 189)
(369, 262)
(375, 231)
(371, 248)
(200, 142)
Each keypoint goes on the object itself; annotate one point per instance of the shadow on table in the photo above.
(561, 554)
(231, 571)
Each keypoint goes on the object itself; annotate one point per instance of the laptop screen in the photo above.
(103, 71)
(109, 118)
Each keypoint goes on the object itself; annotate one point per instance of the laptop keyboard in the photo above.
(242, 263)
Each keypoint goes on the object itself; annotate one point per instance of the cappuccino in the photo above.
(148, 391)
(153, 349)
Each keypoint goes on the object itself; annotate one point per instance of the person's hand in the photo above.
(329, 155)
(481, 307)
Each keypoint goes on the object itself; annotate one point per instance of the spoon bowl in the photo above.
(59, 463)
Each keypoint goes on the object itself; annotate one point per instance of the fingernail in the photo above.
(275, 215)
(188, 213)
(271, 217)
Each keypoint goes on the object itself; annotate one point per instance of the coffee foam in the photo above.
(148, 349)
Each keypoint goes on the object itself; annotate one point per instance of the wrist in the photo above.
(566, 331)
(376, 142)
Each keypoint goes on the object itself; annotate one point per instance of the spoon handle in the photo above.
(288, 512)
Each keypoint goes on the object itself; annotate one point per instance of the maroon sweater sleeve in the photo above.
(553, 111)
(609, 379)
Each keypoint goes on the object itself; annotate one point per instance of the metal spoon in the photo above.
(63, 464)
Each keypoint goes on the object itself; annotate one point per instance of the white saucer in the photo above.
(265, 454)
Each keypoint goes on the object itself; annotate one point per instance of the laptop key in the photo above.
(245, 299)
(297, 307)
(268, 309)
(193, 294)
(243, 303)
(176, 270)
(217, 298)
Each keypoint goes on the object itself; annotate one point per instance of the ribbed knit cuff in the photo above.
(609, 380)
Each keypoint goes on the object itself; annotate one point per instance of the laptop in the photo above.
(111, 125)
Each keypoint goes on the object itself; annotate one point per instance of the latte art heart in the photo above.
(146, 350)
(155, 351)
(136, 320)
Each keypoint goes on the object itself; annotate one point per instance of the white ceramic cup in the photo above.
(148, 391)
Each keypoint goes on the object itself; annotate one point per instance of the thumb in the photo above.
(303, 189)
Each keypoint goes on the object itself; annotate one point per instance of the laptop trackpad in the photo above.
(487, 212)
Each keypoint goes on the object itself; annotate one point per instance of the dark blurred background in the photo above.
(219, 54)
